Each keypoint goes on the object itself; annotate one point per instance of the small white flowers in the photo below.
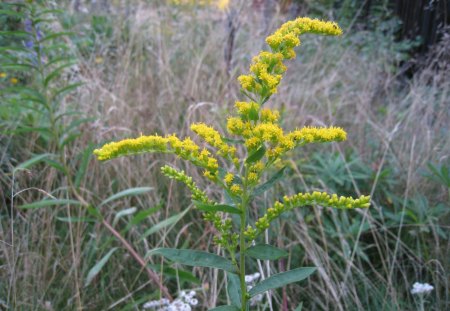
(252, 277)
(249, 280)
(419, 288)
(182, 303)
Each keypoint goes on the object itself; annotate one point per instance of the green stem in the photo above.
(242, 244)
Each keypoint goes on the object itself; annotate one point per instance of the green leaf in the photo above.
(299, 307)
(12, 13)
(45, 203)
(55, 73)
(98, 266)
(194, 258)
(125, 193)
(225, 308)
(256, 156)
(281, 279)
(234, 289)
(125, 212)
(141, 215)
(182, 275)
(82, 168)
(217, 208)
(270, 183)
(265, 252)
(67, 89)
(55, 35)
(32, 161)
(163, 224)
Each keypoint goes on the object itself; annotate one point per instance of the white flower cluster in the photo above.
(249, 280)
(419, 288)
(182, 303)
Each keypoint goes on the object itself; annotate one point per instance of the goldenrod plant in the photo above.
(253, 131)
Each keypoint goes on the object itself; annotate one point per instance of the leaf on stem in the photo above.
(194, 258)
(265, 252)
(281, 279)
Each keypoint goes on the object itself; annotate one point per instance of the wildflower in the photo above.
(236, 189)
(228, 178)
(99, 60)
(14, 81)
(3, 75)
(419, 288)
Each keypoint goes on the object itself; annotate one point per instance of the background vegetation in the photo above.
(100, 71)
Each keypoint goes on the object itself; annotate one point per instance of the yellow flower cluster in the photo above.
(304, 199)
(267, 68)
(185, 149)
(212, 137)
(138, 145)
(228, 179)
(197, 194)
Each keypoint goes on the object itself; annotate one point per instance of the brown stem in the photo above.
(153, 276)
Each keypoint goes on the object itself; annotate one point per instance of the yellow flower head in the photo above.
(3, 75)
(236, 189)
(14, 81)
(228, 178)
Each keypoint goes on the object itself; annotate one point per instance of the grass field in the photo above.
(156, 67)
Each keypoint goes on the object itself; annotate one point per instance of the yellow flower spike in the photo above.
(132, 146)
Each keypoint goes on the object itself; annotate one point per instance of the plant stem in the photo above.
(242, 244)
(242, 259)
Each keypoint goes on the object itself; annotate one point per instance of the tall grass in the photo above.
(150, 68)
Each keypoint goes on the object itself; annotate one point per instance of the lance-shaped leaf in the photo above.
(256, 156)
(265, 252)
(194, 258)
(281, 279)
(234, 289)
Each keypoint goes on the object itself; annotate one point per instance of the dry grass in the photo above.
(164, 68)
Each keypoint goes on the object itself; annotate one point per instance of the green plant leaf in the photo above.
(225, 308)
(125, 212)
(182, 275)
(256, 156)
(126, 193)
(265, 252)
(82, 167)
(98, 266)
(163, 224)
(194, 258)
(45, 203)
(28, 163)
(299, 307)
(270, 183)
(281, 279)
(217, 208)
(234, 289)
(141, 215)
